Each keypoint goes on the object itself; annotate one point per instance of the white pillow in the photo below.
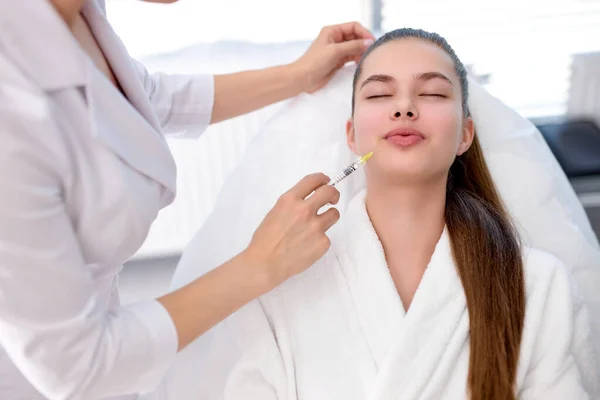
(308, 136)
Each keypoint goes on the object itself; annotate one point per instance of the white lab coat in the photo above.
(83, 173)
(339, 331)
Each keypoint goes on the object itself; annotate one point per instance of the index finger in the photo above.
(355, 30)
(309, 184)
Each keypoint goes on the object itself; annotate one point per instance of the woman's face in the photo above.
(408, 104)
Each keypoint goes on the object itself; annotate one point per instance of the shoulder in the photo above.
(24, 105)
(553, 296)
(20, 94)
(29, 128)
(549, 283)
(544, 270)
(33, 125)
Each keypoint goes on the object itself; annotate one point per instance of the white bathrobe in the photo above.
(339, 331)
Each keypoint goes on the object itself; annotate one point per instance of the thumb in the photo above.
(352, 48)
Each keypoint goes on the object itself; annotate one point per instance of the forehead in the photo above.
(408, 57)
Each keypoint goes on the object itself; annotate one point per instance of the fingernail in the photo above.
(368, 42)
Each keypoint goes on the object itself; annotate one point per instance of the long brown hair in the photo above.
(487, 254)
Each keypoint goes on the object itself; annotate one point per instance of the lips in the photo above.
(404, 137)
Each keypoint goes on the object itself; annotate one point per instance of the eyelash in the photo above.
(378, 96)
(424, 94)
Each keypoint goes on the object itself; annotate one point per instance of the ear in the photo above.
(467, 136)
(350, 137)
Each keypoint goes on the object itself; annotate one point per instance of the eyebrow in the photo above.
(425, 76)
(377, 78)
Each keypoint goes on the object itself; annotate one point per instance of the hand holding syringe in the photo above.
(352, 167)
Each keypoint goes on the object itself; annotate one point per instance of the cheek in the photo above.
(444, 120)
(369, 124)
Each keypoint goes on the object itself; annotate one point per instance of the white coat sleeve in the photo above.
(183, 103)
(562, 366)
(238, 359)
(52, 323)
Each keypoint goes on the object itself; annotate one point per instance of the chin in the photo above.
(408, 168)
(402, 170)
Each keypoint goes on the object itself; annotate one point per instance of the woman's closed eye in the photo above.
(440, 95)
(378, 96)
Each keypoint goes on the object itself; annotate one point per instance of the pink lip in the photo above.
(404, 137)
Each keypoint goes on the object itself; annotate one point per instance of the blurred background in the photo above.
(540, 57)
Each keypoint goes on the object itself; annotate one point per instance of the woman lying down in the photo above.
(426, 292)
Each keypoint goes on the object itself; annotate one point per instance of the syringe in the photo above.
(351, 168)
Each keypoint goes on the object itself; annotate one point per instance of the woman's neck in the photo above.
(68, 10)
(409, 220)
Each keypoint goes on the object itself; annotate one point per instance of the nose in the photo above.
(404, 109)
